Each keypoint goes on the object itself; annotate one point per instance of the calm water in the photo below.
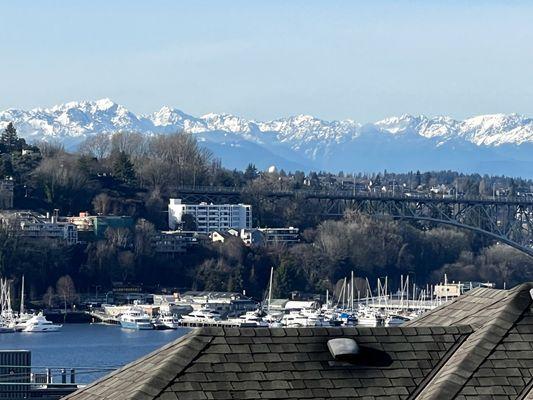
(88, 345)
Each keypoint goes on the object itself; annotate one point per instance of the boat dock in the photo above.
(100, 316)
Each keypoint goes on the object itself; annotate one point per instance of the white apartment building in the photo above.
(210, 217)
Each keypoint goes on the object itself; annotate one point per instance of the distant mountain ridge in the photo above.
(494, 144)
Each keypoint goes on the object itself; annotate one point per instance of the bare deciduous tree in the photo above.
(98, 146)
(102, 204)
(66, 290)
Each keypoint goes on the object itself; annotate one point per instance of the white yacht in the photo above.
(368, 318)
(250, 319)
(135, 318)
(203, 316)
(293, 320)
(296, 319)
(166, 321)
(22, 320)
(39, 323)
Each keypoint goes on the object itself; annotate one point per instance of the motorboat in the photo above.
(21, 321)
(39, 323)
(314, 318)
(395, 320)
(347, 318)
(368, 317)
(293, 320)
(250, 319)
(135, 318)
(203, 316)
(5, 328)
(166, 321)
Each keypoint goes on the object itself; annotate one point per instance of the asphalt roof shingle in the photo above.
(477, 346)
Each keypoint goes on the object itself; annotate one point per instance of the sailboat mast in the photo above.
(270, 289)
(352, 291)
(344, 295)
(22, 297)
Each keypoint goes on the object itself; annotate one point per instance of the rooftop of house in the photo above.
(479, 345)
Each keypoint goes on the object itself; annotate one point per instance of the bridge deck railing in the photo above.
(350, 194)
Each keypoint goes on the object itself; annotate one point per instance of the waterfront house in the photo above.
(96, 225)
(219, 236)
(34, 226)
(478, 346)
(174, 242)
(286, 236)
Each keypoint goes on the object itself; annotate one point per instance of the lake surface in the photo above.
(88, 347)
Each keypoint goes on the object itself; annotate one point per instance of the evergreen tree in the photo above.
(250, 173)
(512, 188)
(123, 168)
(418, 179)
(9, 141)
(6, 166)
(377, 181)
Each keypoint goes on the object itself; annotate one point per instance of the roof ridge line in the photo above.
(468, 361)
(451, 351)
(182, 365)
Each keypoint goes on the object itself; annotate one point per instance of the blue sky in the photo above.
(267, 59)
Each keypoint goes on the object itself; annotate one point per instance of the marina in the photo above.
(380, 307)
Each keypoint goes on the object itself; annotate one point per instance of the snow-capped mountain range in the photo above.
(494, 144)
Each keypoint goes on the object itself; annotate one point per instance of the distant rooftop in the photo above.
(477, 346)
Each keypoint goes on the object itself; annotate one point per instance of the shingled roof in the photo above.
(477, 346)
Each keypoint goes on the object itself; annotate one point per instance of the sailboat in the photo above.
(23, 317)
(273, 319)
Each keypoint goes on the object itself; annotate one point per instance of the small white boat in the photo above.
(39, 323)
(135, 318)
(367, 319)
(395, 320)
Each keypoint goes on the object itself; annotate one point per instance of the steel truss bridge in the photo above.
(508, 220)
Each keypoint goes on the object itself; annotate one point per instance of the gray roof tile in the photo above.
(477, 346)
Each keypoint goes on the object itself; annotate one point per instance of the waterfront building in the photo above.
(210, 217)
(226, 303)
(259, 236)
(287, 236)
(32, 225)
(479, 345)
(127, 293)
(174, 242)
(6, 193)
(98, 224)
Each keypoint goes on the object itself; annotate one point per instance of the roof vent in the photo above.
(343, 349)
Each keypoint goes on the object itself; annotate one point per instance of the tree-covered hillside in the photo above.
(133, 174)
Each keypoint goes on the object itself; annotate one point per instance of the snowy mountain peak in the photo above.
(302, 138)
